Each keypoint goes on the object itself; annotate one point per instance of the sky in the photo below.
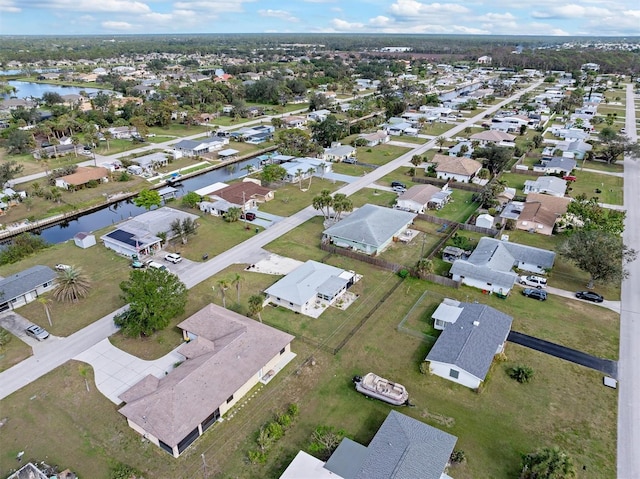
(483, 17)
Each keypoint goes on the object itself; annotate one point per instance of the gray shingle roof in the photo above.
(28, 280)
(503, 255)
(404, 448)
(372, 225)
(469, 346)
(502, 279)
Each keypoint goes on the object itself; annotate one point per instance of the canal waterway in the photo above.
(125, 209)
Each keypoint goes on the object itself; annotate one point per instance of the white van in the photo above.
(154, 264)
(535, 281)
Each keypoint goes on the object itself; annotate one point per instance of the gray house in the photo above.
(369, 229)
(490, 266)
(21, 288)
(472, 335)
(403, 448)
(549, 185)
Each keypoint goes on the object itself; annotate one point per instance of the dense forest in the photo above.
(536, 51)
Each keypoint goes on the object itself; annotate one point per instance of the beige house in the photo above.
(541, 212)
(455, 168)
(226, 356)
(82, 176)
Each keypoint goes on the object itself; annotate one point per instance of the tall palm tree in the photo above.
(223, 286)
(236, 281)
(44, 301)
(440, 141)
(256, 305)
(310, 172)
(72, 285)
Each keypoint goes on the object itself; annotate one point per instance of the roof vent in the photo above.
(476, 323)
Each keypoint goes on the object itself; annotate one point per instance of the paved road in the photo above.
(250, 251)
(629, 360)
(606, 366)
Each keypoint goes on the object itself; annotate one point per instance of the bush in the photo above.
(284, 420)
(522, 374)
(124, 176)
(403, 273)
(293, 410)
(457, 456)
(122, 471)
(257, 457)
(93, 184)
(22, 246)
(275, 430)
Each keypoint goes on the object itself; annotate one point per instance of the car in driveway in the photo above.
(173, 258)
(590, 296)
(62, 267)
(154, 264)
(569, 178)
(136, 264)
(535, 281)
(249, 216)
(535, 294)
(37, 332)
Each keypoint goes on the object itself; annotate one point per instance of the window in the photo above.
(230, 399)
(283, 350)
(454, 374)
(166, 447)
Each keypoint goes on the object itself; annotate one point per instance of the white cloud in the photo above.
(571, 11)
(9, 6)
(213, 6)
(281, 14)
(117, 25)
(413, 8)
(101, 6)
(344, 26)
(380, 21)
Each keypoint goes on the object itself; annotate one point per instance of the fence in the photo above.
(384, 264)
(479, 229)
(434, 278)
(452, 184)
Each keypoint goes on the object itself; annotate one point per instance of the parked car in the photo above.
(536, 281)
(249, 216)
(154, 264)
(535, 294)
(569, 178)
(37, 332)
(173, 258)
(136, 264)
(350, 160)
(62, 267)
(399, 189)
(397, 184)
(590, 296)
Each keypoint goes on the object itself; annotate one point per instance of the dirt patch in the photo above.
(274, 264)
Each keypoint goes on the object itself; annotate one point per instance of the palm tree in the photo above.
(223, 286)
(440, 141)
(341, 203)
(310, 172)
(44, 301)
(184, 228)
(416, 160)
(107, 136)
(248, 168)
(236, 281)
(424, 266)
(256, 302)
(299, 172)
(72, 285)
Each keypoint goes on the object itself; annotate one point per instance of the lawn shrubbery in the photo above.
(271, 432)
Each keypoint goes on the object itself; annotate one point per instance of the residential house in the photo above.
(294, 121)
(139, 235)
(303, 168)
(485, 60)
(151, 161)
(578, 148)
(21, 288)
(369, 229)
(123, 132)
(245, 194)
(506, 195)
(462, 148)
(403, 448)
(540, 213)
(499, 138)
(377, 138)
(318, 115)
(227, 354)
(420, 198)
(217, 207)
(338, 153)
(401, 128)
(490, 265)
(570, 134)
(559, 165)
(456, 168)
(82, 176)
(311, 288)
(192, 148)
(550, 185)
(472, 335)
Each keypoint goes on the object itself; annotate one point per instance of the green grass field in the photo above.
(381, 154)
(611, 187)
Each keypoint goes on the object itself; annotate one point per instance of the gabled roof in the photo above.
(544, 209)
(473, 340)
(503, 255)
(234, 193)
(421, 194)
(548, 183)
(27, 280)
(457, 165)
(371, 225)
(228, 351)
(308, 279)
(493, 135)
(561, 163)
(404, 448)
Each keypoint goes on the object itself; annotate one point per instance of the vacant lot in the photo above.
(381, 154)
(290, 198)
(608, 189)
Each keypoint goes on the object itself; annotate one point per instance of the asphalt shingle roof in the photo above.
(473, 340)
(20, 283)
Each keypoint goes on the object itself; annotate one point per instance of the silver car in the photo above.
(37, 332)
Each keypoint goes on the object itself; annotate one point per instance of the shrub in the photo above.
(284, 420)
(457, 456)
(124, 176)
(257, 457)
(522, 374)
(293, 410)
(274, 430)
(122, 471)
(93, 183)
(403, 273)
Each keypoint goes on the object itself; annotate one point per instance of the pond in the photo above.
(36, 90)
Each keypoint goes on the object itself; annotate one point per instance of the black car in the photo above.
(397, 184)
(590, 296)
(535, 294)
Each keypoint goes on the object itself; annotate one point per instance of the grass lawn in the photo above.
(601, 166)
(178, 130)
(117, 146)
(516, 180)
(301, 243)
(410, 139)
(349, 169)
(459, 208)
(13, 352)
(30, 165)
(289, 199)
(611, 187)
(374, 197)
(407, 254)
(399, 174)
(436, 129)
(104, 268)
(381, 154)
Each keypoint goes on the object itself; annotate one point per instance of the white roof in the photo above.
(307, 466)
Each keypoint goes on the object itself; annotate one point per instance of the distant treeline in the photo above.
(537, 51)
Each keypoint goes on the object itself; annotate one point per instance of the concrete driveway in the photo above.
(116, 371)
(16, 325)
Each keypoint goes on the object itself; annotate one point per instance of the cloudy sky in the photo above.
(499, 17)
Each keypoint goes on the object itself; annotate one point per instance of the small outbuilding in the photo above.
(84, 240)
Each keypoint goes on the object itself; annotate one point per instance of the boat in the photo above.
(378, 387)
